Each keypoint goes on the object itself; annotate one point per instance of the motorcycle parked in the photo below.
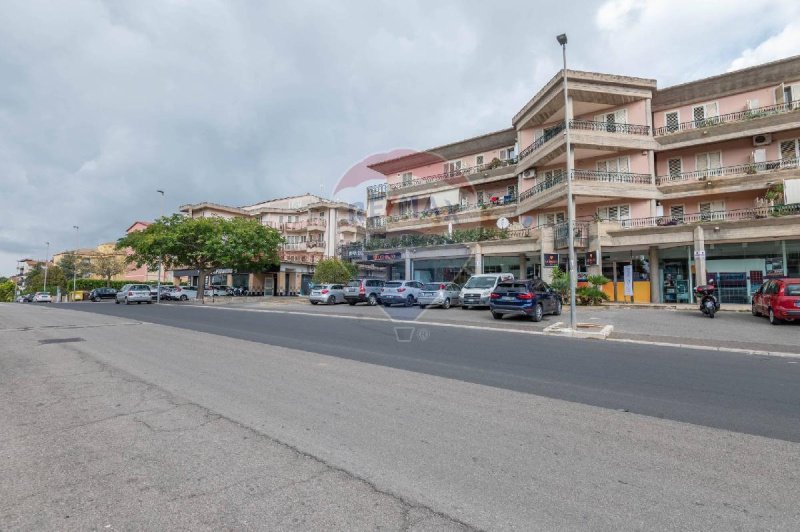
(709, 304)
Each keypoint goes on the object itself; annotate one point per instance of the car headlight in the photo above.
(486, 293)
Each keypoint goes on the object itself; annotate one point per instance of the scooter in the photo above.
(709, 304)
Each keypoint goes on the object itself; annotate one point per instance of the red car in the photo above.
(779, 299)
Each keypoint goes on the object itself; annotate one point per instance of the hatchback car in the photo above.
(531, 298)
(133, 293)
(329, 294)
(42, 297)
(102, 293)
(440, 294)
(401, 293)
(778, 299)
(363, 291)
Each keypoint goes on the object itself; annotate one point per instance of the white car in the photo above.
(330, 294)
(479, 287)
(134, 293)
(42, 297)
(401, 292)
(184, 293)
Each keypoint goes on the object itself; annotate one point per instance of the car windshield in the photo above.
(355, 283)
(792, 290)
(433, 286)
(481, 282)
(511, 287)
(393, 284)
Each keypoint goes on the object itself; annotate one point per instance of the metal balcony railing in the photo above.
(546, 184)
(451, 210)
(376, 222)
(561, 234)
(739, 169)
(608, 127)
(461, 236)
(377, 191)
(738, 116)
(452, 175)
(754, 213)
(586, 175)
(538, 143)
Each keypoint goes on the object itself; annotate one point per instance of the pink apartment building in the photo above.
(683, 183)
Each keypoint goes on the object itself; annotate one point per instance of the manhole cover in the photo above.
(60, 340)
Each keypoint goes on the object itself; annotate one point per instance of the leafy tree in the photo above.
(334, 270)
(72, 264)
(204, 244)
(7, 289)
(560, 283)
(34, 281)
(107, 266)
(3, 279)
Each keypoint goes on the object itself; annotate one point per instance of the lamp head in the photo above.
(562, 39)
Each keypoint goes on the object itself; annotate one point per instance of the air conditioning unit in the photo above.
(762, 140)
(529, 174)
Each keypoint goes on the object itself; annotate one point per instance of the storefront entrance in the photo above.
(457, 270)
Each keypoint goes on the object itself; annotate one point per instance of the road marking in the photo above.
(696, 347)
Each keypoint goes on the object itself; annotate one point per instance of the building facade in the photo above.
(685, 183)
(313, 228)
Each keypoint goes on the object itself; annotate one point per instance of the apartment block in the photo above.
(313, 228)
(684, 183)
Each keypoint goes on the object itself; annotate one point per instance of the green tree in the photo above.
(204, 244)
(72, 264)
(107, 265)
(34, 281)
(7, 289)
(334, 270)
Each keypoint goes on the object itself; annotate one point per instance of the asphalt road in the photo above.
(743, 393)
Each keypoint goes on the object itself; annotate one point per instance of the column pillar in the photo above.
(655, 276)
(523, 266)
(700, 258)
(547, 246)
(407, 256)
(478, 259)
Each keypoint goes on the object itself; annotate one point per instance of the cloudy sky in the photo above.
(103, 102)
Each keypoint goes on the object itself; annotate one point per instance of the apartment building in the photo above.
(313, 227)
(684, 183)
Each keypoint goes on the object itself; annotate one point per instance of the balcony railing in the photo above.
(295, 246)
(739, 169)
(451, 210)
(561, 234)
(458, 236)
(546, 184)
(376, 222)
(538, 143)
(739, 116)
(309, 223)
(754, 213)
(586, 175)
(377, 191)
(454, 174)
(628, 129)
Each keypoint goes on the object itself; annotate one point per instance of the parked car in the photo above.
(184, 293)
(440, 294)
(531, 298)
(477, 290)
(401, 293)
(329, 294)
(134, 293)
(42, 297)
(778, 299)
(363, 291)
(25, 298)
(102, 293)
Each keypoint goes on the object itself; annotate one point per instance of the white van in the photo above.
(477, 290)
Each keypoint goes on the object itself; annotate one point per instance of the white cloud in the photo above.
(785, 43)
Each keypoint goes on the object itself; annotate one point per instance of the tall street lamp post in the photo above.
(46, 262)
(77, 257)
(562, 40)
(160, 260)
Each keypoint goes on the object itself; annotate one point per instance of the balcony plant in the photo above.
(494, 163)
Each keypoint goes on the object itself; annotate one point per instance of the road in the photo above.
(186, 417)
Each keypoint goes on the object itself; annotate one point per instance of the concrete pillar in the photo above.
(407, 256)
(653, 208)
(523, 266)
(655, 276)
(548, 246)
(700, 258)
(785, 262)
(595, 248)
(478, 259)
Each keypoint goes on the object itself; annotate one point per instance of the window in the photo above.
(479, 160)
(614, 167)
(705, 112)
(712, 210)
(452, 166)
(619, 116)
(672, 121)
(552, 218)
(480, 197)
(406, 178)
(790, 151)
(406, 207)
(676, 212)
(511, 191)
(615, 212)
(507, 153)
(709, 164)
(675, 167)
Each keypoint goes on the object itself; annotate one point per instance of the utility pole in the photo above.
(46, 262)
(161, 259)
(77, 258)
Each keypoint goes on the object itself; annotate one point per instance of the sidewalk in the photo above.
(728, 307)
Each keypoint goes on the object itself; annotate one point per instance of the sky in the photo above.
(104, 102)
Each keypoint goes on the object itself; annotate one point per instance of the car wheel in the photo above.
(351, 303)
(557, 311)
(753, 310)
(772, 319)
(116, 301)
(422, 306)
(538, 312)
(410, 301)
(184, 298)
(331, 300)
(314, 302)
(127, 302)
(464, 307)
(387, 305)
(446, 303)
(372, 300)
(497, 316)
(149, 302)
(96, 299)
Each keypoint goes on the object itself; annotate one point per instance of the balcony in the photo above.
(376, 223)
(561, 235)
(739, 116)
(349, 225)
(504, 205)
(377, 191)
(736, 170)
(295, 246)
(755, 213)
(474, 175)
(585, 183)
(458, 236)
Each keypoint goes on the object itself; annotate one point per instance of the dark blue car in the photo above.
(531, 298)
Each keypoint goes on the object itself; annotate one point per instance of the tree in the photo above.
(204, 244)
(107, 265)
(334, 270)
(72, 264)
(7, 290)
(34, 282)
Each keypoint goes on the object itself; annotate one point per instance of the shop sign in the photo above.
(774, 267)
(550, 260)
(627, 272)
(385, 256)
(591, 259)
(699, 253)
(222, 271)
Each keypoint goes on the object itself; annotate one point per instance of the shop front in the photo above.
(522, 266)
(455, 269)
(613, 268)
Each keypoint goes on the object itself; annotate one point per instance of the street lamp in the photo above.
(77, 257)
(161, 259)
(47, 254)
(562, 40)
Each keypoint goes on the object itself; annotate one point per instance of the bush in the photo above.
(560, 283)
(590, 295)
(334, 270)
(598, 280)
(7, 289)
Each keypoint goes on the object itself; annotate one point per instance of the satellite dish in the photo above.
(503, 223)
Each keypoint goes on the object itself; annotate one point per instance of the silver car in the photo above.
(330, 294)
(134, 293)
(442, 295)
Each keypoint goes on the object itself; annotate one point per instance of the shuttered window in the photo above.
(551, 218)
(452, 166)
(712, 210)
(676, 212)
(675, 167)
(672, 121)
(406, 178)
(705, 112)
(615, 212)
(709, 164)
